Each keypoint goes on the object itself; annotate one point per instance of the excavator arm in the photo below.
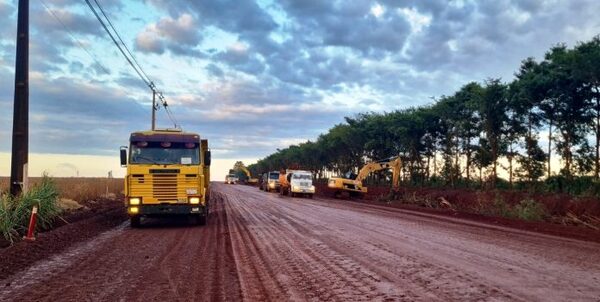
(240, 166)
(394, 164)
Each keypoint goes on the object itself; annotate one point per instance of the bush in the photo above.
(498, 207)
(529, 209)
(15, 212)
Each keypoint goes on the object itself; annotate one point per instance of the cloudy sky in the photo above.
(254, 76)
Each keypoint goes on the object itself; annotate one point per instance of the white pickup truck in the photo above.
(231, 179)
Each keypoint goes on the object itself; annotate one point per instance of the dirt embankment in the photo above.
(565, 215)
(72, 227)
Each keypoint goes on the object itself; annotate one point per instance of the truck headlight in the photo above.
(134, 210)
(194, 200)
(312, 188)
(134, 201)
(295, 188)
(272, 185)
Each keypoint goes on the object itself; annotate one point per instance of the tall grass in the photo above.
(15, 212)
(78, 188)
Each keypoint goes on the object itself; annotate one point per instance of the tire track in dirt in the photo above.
(296, 257)
(260, 246)
(341, 249)
(164, 260)
(430, 259)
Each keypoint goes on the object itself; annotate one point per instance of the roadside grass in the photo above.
(49, 194)
(15, 212)
(80, 189)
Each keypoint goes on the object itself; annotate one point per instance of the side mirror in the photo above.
(207, 158)
(123, 156)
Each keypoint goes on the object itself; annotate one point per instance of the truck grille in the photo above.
(164, 187)
(159, 187)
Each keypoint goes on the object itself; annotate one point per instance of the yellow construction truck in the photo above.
(168, 173)
(352, 184)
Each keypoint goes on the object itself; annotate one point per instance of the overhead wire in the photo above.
(79, 43)
(130, 57)
(121, 40)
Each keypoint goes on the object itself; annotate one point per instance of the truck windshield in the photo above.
(273, 175)
(302, 176)
(165, 153)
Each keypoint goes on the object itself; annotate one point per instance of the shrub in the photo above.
(529, 209)
(15, 212)
(498, 207)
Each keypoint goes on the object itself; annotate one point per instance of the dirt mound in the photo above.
(563, 210)
(75, 226)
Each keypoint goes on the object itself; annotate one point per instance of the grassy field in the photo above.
(79, 188)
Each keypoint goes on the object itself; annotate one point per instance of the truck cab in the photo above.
(271, 181)
(167, 175)
(231, 179)
(297, 183)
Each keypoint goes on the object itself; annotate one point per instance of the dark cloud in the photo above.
(244, 17)
(350, 24)
(70, 116)
(78, 23)
(214, 70)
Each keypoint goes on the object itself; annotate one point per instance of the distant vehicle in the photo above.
(231, 179)
(270, 181)
(351, 183)
(240, 166)
(167, 174)
(296, 183)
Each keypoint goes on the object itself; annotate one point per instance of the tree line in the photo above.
(467, 137)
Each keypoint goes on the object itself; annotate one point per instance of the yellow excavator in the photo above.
(351, 183)
(240, 166)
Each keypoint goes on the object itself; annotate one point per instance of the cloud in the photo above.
(168, 33)
(75, 22)
(253, 76)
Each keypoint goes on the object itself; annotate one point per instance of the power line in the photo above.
(121, 40)
(81, 45)
(130, 57)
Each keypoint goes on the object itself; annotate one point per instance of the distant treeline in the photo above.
(461, 137)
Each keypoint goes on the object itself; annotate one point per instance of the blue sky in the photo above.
(254, 76)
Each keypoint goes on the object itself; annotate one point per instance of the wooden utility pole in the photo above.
(20, 137)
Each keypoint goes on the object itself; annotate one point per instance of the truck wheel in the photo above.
(310, 196)
(204, 218)
(135, 221)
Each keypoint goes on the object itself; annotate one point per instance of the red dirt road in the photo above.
(259, 246)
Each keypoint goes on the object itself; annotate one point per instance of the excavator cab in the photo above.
(350, 175)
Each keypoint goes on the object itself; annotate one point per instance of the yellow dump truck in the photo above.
(168, 173)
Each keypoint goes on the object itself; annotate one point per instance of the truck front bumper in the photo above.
(165, 209)
(303, 190)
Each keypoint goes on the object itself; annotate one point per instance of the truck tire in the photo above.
(204, 218)
(135, 221)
